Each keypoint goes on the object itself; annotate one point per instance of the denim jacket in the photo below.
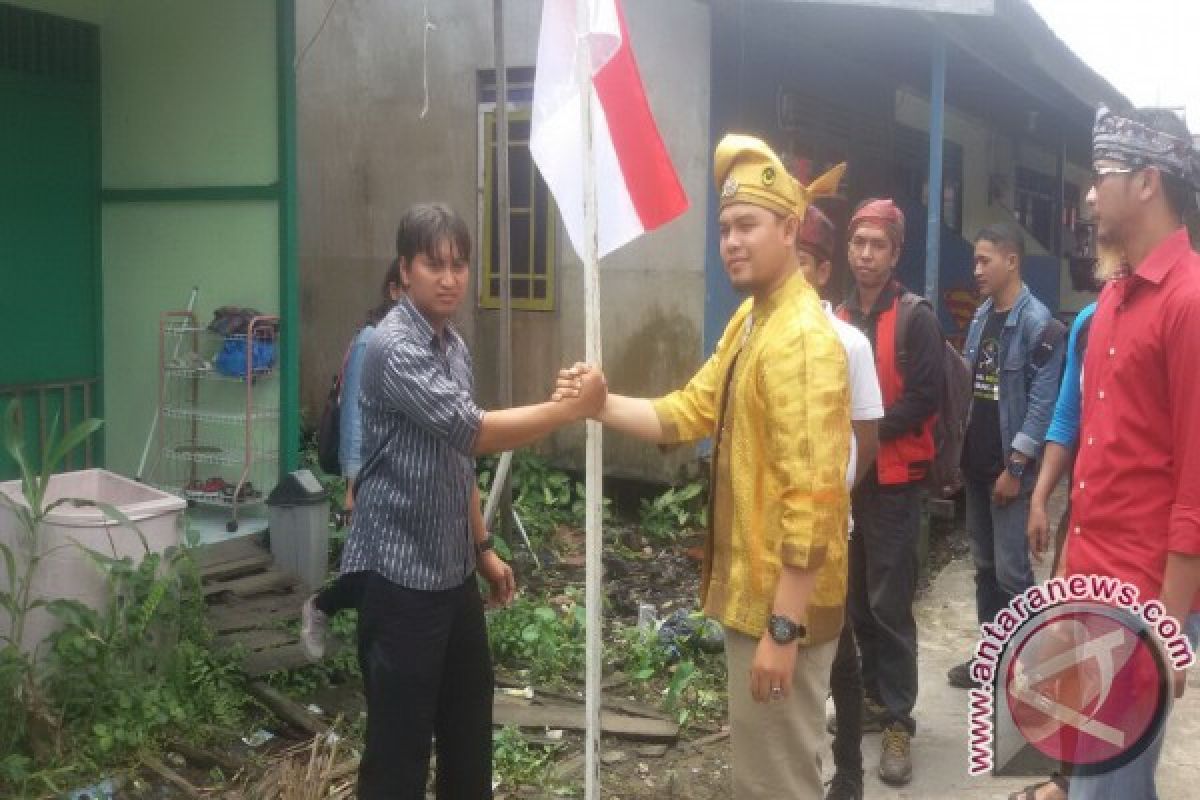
(350, 435)
(1027, 392)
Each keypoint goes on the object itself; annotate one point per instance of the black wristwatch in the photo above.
(488, 543)
(784, 631)
(1016, 468)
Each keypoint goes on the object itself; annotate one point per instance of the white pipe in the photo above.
(594, 459)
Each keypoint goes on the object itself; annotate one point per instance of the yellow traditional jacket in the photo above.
(782, 464)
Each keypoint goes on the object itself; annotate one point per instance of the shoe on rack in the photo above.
(959, 677)
(895, 757)
(873, 717)
(314, 629)
(844, 787)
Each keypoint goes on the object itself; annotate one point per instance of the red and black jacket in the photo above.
(910, 390)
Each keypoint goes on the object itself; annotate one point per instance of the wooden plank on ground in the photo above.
(571, 717)
(264, 611)
(288, 709)
(253, 641)
(209, 555)
(631, 707)
(268, 581)
(235, 569)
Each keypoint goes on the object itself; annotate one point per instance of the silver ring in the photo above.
(776, 691)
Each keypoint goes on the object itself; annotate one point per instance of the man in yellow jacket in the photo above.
(774, 399)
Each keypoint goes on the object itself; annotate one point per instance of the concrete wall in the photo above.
(366, 155)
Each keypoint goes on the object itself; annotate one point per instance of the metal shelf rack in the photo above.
(218, 437)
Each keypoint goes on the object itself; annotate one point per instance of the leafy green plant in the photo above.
(122, 678)
(543, 496)
(536, 636)
(518, 763)
(22, 704)
(696, 689)
(675, 511)
(640, 655)
(115, 678)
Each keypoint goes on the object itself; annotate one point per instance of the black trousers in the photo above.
(882, 585)
(845, 683)
(344, 592)
(427, 672)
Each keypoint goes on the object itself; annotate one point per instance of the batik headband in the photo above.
(1117, 138)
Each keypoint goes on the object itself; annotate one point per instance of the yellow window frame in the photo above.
(489, 271)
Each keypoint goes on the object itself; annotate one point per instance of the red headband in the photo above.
(884, 213)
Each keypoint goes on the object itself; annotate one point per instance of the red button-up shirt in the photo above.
(1136, 495)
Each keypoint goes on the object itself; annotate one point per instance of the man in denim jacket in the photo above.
(1015, 350)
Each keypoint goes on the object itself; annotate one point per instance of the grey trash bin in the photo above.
(299, 520)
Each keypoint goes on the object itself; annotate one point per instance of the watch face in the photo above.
(782, 630)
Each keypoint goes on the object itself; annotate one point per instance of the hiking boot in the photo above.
(959, 677)
(895, 758)
(314, 629)
(873, 717)
(844, 787)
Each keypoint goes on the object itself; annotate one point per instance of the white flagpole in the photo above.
(593, 481)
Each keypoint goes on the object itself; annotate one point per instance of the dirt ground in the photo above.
(696, 766)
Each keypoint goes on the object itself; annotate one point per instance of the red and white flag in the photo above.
(637, 189)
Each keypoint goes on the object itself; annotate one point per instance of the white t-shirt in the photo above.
(866, 400)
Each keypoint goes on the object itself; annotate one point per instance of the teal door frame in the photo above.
(289, 269)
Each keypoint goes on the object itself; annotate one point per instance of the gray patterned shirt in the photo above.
(411, 513)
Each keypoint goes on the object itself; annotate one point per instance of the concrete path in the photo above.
(947, 630)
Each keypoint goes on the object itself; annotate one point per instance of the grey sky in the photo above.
(1146, 48)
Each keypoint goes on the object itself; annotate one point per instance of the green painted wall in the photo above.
(154, 254)
(189, 93)
(189, 99)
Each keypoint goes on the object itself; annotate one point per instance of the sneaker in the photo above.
(895, 758)
(873, 717)
(959, 677)
(314, 629)
(844, 787)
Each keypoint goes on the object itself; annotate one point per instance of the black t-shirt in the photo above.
(983, 452)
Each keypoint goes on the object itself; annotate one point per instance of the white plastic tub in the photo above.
(68, 572)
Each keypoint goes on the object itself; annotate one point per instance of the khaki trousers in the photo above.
(777, 744)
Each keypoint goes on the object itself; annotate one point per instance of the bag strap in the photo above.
(907, 304)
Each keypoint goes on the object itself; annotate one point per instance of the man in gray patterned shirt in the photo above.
(418, 532)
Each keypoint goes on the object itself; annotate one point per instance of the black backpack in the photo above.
(944, 477)
(329, 429)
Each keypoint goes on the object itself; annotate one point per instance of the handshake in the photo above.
(583, 388)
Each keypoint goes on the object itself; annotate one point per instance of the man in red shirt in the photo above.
(1136, 494)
